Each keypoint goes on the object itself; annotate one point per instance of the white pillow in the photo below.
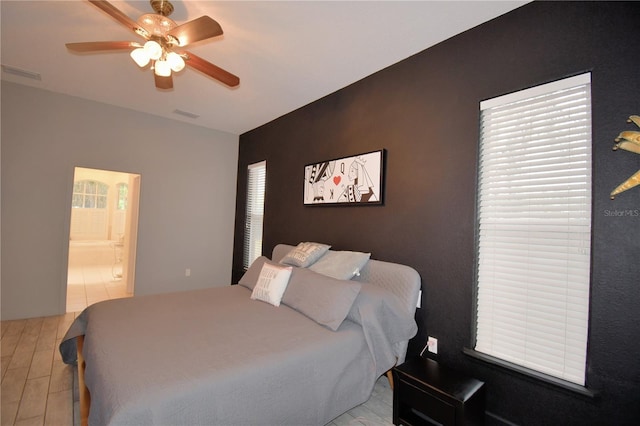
(272, 283)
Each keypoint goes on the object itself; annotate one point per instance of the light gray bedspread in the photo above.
(216, 357)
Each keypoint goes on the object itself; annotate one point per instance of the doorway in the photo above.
(102, 237)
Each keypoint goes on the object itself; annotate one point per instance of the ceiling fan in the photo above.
(164, 42)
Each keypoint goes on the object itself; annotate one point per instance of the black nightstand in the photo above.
(425, 392)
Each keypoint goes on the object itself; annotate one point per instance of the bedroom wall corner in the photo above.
(188, 189)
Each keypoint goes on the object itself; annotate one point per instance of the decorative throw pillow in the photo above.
(305, 254)
(272, 283)
(342, 265)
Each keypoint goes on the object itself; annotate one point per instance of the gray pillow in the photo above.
(323, 299)
(342, 265)
(250, 278)
(305, 254)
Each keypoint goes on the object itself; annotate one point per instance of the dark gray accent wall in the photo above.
(424, 112)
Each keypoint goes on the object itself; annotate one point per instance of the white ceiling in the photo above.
(286, 53)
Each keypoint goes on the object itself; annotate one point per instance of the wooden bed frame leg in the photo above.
(85, 397)
(390, 377)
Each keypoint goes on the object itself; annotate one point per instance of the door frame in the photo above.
(131, 232)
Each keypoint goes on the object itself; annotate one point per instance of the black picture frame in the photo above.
(357, 180)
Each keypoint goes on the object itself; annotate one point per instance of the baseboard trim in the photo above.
(499, 420)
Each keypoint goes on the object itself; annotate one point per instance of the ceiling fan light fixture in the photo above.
(155, 24)
(161, 36)
(153, 49)
(162, 69)
(140, 56)
(175, 61)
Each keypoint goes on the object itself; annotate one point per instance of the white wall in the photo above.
(187, 195)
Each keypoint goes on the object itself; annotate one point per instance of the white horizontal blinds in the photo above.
(534, 212)
(257, 174)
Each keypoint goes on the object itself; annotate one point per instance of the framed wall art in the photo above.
(356, 180)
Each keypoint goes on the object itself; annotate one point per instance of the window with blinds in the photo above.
(534, 228)
(257, 174)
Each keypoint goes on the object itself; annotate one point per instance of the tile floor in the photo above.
(93, 275)
(377, 411)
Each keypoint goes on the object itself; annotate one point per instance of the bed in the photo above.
(218, 356)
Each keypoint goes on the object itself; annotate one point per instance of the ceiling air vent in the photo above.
(185, 113)
(21, 73)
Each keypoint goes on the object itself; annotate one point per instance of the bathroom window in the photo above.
(89, 194)
(123, 191)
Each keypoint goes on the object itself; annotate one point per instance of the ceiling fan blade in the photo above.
(116, 14)
(211, 70)
(196, 30)
(94, 46)
(163, 82)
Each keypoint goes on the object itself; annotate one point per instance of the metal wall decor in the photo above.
(628, 140)
(353, 180)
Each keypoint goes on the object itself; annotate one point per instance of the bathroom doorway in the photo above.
(102, 237)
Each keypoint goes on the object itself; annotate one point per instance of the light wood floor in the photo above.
(38, 388)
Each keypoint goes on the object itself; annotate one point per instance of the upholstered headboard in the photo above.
(401, 280)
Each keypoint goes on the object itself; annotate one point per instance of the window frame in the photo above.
(99, 196)
(122, 194)
(471, 351)
(250, 249)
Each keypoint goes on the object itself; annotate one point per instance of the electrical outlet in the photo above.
(187, 272)
(432, 344)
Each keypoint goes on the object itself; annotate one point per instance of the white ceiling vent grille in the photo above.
(185, 113)
(21, 73)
